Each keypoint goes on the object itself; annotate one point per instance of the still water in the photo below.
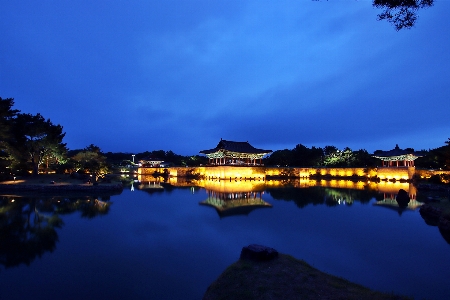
(170, 241)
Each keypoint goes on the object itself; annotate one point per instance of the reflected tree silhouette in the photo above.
(25, 233)
(321, 196)
(28, 224)
(93, 208)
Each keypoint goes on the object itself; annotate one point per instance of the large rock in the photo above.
(430, 214)
(258, 253)
(444, 224)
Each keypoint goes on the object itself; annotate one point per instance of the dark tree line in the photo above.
(438, 158)
(120, 158)
(30, 143)
(330, 156)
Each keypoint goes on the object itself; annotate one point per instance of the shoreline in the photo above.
(56, 183)
(60, 187)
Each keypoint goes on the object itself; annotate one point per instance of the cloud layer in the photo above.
(180, 75)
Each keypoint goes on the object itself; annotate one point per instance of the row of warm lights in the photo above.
(390, 178)
(240, 172)
(341, 172)
(359, 185)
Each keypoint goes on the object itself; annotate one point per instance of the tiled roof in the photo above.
(241, 147)
(152, 159)
(397, 152)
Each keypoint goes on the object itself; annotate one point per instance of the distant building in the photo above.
(398, 157)
(165, 164)
(151, 162)
(235, 153)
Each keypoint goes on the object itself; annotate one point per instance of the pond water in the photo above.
(163, 241)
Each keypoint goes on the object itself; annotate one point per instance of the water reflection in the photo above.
(145, 246)
(234, 203)
(28, 224)
(391, 201)
(301, 191)
(240, 197)
(151, 184)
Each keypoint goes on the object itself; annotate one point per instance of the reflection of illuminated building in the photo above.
(392, 203)
(149, 182)
(149, 179)
(238, 203)
(235, 197)
(390, 191)
(226, 186)
(235, 153)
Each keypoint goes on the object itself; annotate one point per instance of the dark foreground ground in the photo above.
(285, 278)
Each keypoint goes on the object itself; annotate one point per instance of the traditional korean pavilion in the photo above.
(235, 153)
(398, 157)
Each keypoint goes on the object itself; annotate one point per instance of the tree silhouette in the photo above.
(6, 116)
(28, 224)
(91, 161)
(401, 13)
(35, 139)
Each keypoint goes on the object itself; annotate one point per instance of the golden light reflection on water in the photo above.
(227, 186)
(227, 194)
(232, 186)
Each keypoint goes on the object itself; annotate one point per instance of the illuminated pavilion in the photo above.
(398, 157)
(151, 162)
(235, 153)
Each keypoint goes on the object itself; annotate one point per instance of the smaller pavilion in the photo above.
(397, 157)
(235, 153)
(151, 162)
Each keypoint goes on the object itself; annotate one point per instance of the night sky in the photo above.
(131, 76)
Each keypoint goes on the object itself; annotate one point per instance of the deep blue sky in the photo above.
(133, 76)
